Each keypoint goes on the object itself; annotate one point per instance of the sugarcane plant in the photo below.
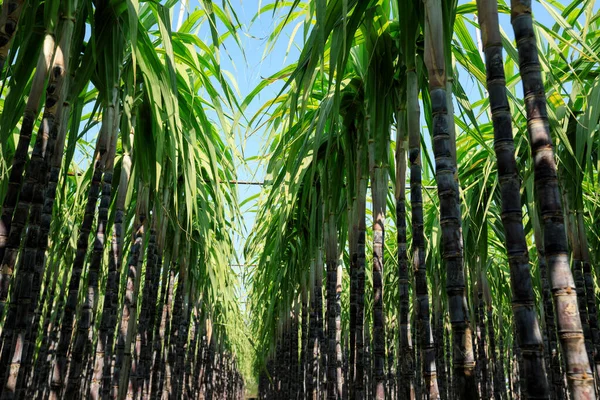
(427, 226)
(472, 220)
(66, 293)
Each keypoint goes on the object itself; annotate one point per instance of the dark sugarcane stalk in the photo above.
(516, 371)
(490, 348)
(182, 327)
(448, 356)
(418, 360)
(577, 268)
(501, 367)
(547, 357)
(210, 367)
(191, 360)
(497, 385)
(390, 384)
(578, 371)
(209, 362)
(149, 299)
(423, 315)
(28, 281)
(334, 287)
(203, 358)
(158, 369)
(202, 347)
(127, 324)
(345, 366)
(440, 354)
(590, 292)
(304, 346)
(85, 324)
(353, 252)
(584, 282)
(150, 380)
(206, 333)
(361, 201)
(61, 363)
(19, 161)
(34, 367)
(378, 188)
(169, 376)
(582, 304)
(520, 373)
(226, 374)
(510, 370)
(170, 318)
(321, 328)
(312, 386)
(14, 344)
(286, 355)
(593, 317)
(368, 363)
(50, 285)
(102, 363)
(33, 185)
(153, 390)
(172, 330)
(571, 172)
(213, 377)
(294, 345)
(354, 163)
(216, 371)
(222, 375)
(263, 385)
(482, 342)
(463, 362)
(379, 113)
(185, 337)
(405, 350)
(51, 330)
(32, 199)
(26, 372)
(39, 367)
(143, 340)
(184, 323)
(556, 373)
(93, 368)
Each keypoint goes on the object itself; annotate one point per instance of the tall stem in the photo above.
(424, 330)
(128, 321)
(361, 201)
(20, 157)
(579, 375)
(334, 288)
(450, 219)
(529, 337)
